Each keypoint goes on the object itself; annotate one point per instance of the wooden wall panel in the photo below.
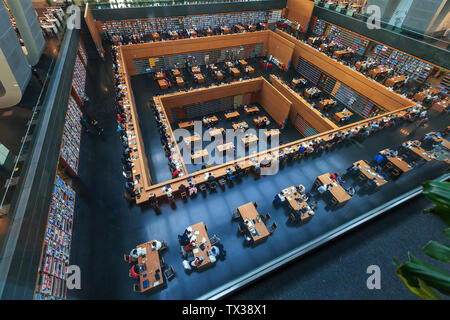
(179, 99)
(300, 11)
(93, 30)
(173, 47)
(274, 102)
(280, 48)
(302, 107)
(372, 90)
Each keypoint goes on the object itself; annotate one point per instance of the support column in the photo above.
(28, 24)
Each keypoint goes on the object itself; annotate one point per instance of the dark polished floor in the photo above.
(106, 227)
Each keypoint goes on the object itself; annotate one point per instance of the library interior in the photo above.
(217, 145)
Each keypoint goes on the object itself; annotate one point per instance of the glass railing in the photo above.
(437, 41)
(8, 187)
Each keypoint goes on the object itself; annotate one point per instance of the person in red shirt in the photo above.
(119, 117)
(189, 247)
(175, 173)
(134, 271)
(334, 176)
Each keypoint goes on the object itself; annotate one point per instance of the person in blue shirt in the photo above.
(379, 159)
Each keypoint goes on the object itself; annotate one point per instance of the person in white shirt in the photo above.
(301, 189)
(322, 188)
(156, 245)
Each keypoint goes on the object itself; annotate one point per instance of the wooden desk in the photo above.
(339, 116)
(250, 139)
(159, 76)
(249, 70)
(367, 171)
(240, 28)
(239, 125)
(296, 203)
(225, 30)
(210, 119)
(236, 72)
(173, 34)
(296, 81)
(209, 32)
(180, 81)
(250, 27)
(231, 115)
(176, 73)
(199, 78)
(441, 105)
(312, 92)
(395, 81)
(251, 110)
(196, 70)
(202, 234)
(272, 132)
(229, 64)
(162, 84)
(155, 36)
(260, 119)
(342, 53)
(225, 147)
(200, 154)
(152, 263)
(420, 96)
(401, 165)
(218, 75)
(248, 212)
(336, 190)
(324, 104)
(192, 33)
(312, 40)
(418, 151)
(213, 67)
(214, 132)
(186, 124)
(191, 139)
(243, 63)
(378, 71)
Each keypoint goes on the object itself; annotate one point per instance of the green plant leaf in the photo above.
(428, 291)
(436, 279)
(447, 233)
(437, 192)
(437, 251)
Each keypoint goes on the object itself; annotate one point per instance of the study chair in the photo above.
(169, 273)
(292, 217)
(162, 263)
(273, 227)
(163, 246)
(214, 240)
(126, 258)
(235, 215)
(241, 231)
(136, 287)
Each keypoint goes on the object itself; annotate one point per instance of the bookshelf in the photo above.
(70, 146)
(319, 28)
(348, 39)
(149, 25)
(304, 127)
(51, 279)
(308, 71)
(79, 78)
(199, 58)
(402, 63)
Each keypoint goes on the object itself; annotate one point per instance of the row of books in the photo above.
(79, 78)
(57, 242)
(149, 25)
(70, 147)
(402, 63)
